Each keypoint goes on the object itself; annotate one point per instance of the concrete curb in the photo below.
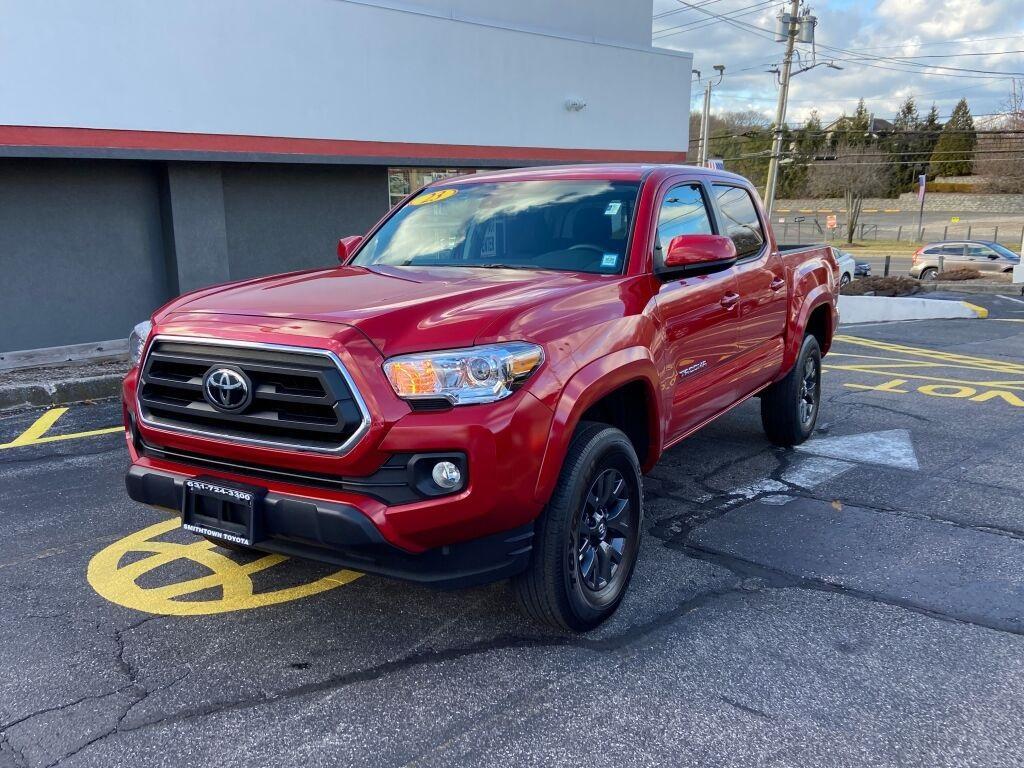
(878, 309)
(964, 286)
(65, 391)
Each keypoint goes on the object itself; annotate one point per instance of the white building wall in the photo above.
(341, 69)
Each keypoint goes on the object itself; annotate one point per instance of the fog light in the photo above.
(446, 475)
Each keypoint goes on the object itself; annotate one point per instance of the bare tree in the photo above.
(854, 174)
(1001, 146)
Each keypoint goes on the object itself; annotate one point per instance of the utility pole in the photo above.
(705, 122)
(780, 112)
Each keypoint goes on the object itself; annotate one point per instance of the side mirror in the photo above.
(347, 246)
(699, 253)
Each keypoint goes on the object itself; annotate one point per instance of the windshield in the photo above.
(1004, 252)
(579, 226)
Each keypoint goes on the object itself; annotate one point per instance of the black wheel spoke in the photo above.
(604, 562)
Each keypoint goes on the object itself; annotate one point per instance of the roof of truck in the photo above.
(591, 171)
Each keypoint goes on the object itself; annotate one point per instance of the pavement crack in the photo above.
(774, 578)
(746, 708)
(427, 657)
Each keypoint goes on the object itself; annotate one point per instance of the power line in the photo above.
(690, 26)
(863, 59)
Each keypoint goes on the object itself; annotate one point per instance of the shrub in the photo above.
(882, 286)
(963, 273)
(950, 186)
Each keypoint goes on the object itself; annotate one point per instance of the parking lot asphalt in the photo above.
(857, 601)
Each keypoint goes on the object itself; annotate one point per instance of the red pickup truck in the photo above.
(475, 392)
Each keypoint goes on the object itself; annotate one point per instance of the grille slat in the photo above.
(300, 398)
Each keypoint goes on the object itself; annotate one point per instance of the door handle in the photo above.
(777, 284)
(730, 300)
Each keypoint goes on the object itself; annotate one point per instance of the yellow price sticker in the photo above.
(434, 197)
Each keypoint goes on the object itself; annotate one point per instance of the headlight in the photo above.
(464, 376)
(137, 341)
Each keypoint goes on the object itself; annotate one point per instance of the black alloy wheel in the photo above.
(810, 391)
(603, 532)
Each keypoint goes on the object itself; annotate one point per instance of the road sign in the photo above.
(954, 220)
(798, 219)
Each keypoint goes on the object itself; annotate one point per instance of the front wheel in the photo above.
(845, 280)
(588, 537)
(789, 408)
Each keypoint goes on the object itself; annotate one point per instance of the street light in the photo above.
(705, 123)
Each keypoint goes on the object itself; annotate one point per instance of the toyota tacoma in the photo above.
(475, 392)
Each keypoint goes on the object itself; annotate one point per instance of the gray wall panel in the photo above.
(290, 217)
(81, 250)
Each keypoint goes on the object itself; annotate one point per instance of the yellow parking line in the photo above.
(875, 370)
(978, 363)
(36, 433)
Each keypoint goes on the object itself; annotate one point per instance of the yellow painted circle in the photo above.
(119, 584)
(434, 197)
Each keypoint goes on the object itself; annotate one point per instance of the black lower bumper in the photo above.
(342, 535)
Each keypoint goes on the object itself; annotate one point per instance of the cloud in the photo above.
(889, 28)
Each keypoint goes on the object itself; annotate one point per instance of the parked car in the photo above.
(847, 267)
(863, 269)
(983, 255)
(475, 391)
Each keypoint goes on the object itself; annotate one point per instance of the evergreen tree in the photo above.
(931, 129)
(903, 148)
(859, 127)
(954, 151)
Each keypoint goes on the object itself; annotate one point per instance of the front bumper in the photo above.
(338, 533)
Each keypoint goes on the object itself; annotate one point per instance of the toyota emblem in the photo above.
(227, 389)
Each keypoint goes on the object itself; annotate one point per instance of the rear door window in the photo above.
(739, 219)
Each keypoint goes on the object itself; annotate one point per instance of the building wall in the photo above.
(88, 248)
(81, 251)
(621, 21)
(347, 70)
(291, 216)
(154, 147)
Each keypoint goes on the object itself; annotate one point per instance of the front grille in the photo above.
(300, 398)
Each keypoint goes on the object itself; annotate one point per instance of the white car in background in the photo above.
(847, 267)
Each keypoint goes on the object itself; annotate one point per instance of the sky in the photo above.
(942, 30)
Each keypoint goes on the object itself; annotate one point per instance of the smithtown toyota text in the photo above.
(474, 392)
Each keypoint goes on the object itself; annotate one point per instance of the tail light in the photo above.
(917, 256)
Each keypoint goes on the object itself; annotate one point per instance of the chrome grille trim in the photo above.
(228, 344)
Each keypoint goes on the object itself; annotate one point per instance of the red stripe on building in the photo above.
(103, 138)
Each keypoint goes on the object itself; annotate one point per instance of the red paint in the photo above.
(695, 345)
(347, 246)
(691, 250)
(167, 141)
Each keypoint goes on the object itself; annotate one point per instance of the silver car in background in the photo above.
(982, 255)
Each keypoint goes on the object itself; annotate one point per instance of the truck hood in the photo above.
(399, 309)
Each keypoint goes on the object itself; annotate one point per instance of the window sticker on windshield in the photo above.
(435, 196)
(613, 208)
(610, 260)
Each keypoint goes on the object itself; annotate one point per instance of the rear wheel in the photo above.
(929, 273)
(845, 280)
(587, 540)
(789, 408)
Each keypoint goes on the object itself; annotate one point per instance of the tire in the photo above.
(929, 273)
(789, 408)
(584, 550)
(845, 280)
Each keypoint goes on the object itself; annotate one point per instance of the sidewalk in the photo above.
(61, 383)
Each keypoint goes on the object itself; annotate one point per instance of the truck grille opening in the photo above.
(299, 399)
